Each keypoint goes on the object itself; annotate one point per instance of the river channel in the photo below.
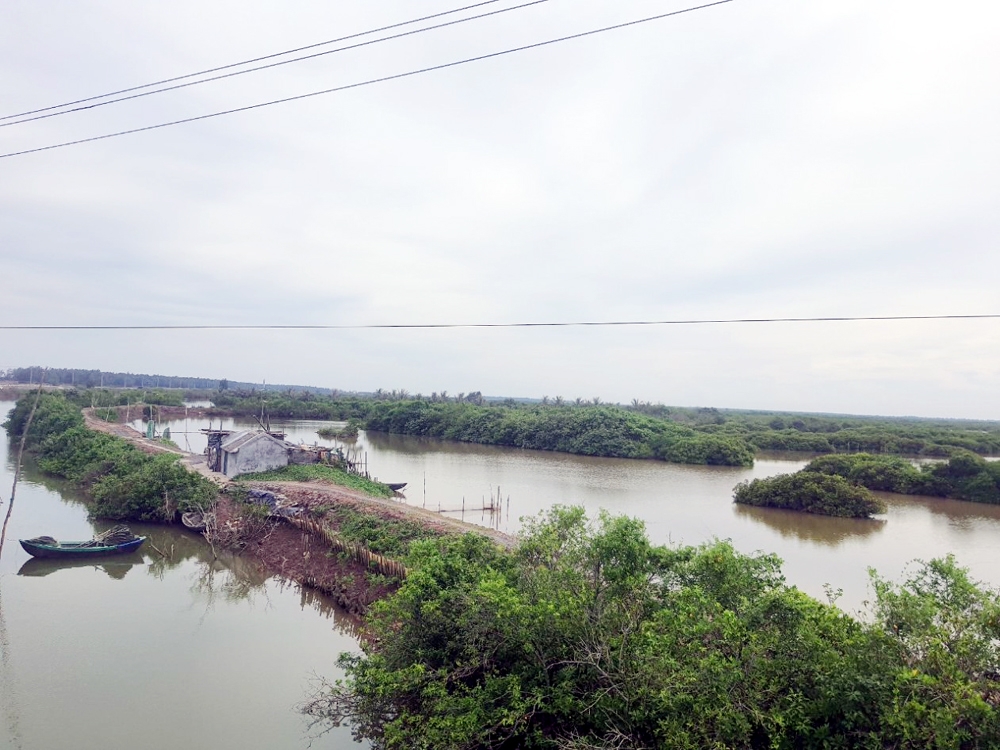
(195, 652)
(679, 504)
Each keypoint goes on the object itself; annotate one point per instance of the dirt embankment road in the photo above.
(193, 461)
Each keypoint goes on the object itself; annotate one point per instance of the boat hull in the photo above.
(74, 550)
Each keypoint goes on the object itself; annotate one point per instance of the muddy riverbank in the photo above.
(306, 558)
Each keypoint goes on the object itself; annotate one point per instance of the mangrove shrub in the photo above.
(124, 483)
(589, 636)
(964, 476)
(810, 492)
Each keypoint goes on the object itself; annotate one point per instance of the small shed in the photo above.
(247, 452)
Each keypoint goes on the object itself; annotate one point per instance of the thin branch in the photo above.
(20, 455)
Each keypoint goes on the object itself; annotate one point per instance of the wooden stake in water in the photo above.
(20, 455)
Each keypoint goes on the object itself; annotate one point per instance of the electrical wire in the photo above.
(250, 61)
(369, 82)
(275, 64)
(567, 324)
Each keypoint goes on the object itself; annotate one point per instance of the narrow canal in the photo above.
(178, 650)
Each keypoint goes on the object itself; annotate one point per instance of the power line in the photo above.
(551, 324)
(369, 82)
(250, 61)
(273, 64)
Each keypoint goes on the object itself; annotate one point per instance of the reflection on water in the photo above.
(116, 567)
(957, 514)
(826, 530)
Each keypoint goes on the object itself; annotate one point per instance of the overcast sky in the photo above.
(760, 158)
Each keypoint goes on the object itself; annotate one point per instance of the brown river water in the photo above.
(195, 652)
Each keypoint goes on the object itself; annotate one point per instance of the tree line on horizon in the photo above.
(725, 435)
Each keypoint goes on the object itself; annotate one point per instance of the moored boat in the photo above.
(47, 547)
(194, 520)
(395, 486)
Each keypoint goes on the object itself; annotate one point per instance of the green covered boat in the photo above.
(47, 547)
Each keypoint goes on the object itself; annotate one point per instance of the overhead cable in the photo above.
(250, 61)
(274, 64)
(550, 324)
(369, 82)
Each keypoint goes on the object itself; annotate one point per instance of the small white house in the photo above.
(247, 452)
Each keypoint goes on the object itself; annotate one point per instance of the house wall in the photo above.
(258, 455)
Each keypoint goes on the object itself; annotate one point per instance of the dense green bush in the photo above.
(53, 415)
(790, 440)
(592, 431)
(964, 476)
(883, 473)
(125, 483)
(851, 434)
(153, 488)
(588, 636)
(810, 492)
(714, 450)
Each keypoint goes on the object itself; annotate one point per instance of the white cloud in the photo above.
(755, 159)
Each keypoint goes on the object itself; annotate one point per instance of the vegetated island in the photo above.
(841, 485)
(964, 476)
(582, 634)
(811, 493)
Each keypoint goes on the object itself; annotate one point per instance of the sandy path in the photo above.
(193, 461)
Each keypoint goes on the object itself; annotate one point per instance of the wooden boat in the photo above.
(395, 486)
(47, 547)
(193, 520)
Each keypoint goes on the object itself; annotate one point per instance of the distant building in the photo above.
(247, 452)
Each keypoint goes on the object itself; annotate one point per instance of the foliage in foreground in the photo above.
(964, 476)
(810, 492)
(588, 636)
(124, 483)
(321, 472)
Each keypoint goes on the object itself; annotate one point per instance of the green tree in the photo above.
(588, 636)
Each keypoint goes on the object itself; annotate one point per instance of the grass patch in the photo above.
(386, 536)
(313, 472)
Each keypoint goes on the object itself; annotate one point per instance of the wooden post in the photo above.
(20, 456)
